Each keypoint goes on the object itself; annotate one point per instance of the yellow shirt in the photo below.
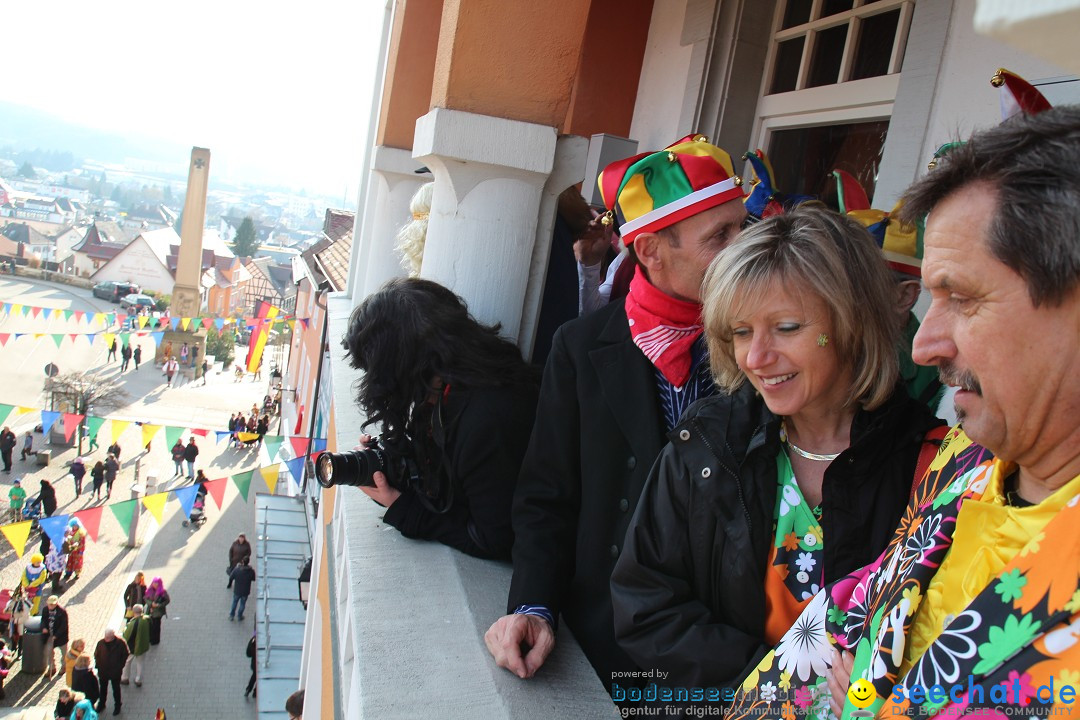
(987, 537)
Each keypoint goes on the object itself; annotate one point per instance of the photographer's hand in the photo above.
(382, 493)
(506, 636)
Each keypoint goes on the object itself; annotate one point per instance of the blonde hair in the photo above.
(78, 645)
(83, 661)
(814, 250)
(413, 235)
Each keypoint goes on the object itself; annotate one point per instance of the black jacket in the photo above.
(83, 680)
(598, 430)
(487, 431)
(689, 588)
(56, 621)
(110, 657)
(7, 441)
(47, 496)
(242, 576)
(191, 451)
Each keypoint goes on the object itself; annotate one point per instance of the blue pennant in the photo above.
(186, 496)
(54, 527)
(48, 418)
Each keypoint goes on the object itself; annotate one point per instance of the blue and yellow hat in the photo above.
(900, 243)
(651, 191)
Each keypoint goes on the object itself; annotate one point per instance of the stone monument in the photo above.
(186, 294)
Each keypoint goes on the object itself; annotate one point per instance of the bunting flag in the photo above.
(124, 512)
(273, 443)
(207, 322)
(174, 322)
(172, 434)
(4, 338)
(142, 321)
(216, 488)
(148, 433)
(158, 337)
(5, 410)
(221, 435)
(270, 475)
(23, 409)
(243, 483)
(185, 323)
(110, 338)
(93, 427)
(17, 534)
(54, 527)
(48, 419)
(186, 496)
(201, 432)
(318, 445)
(91, 520)
(69, 423)
(118, 428)
(156, 505)
(58, 338)
(300, 445)
(219, 323)
(296, 467)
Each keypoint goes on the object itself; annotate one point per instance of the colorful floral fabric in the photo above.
(1019, 633)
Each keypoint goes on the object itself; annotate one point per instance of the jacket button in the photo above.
(705, 472)
(631, 462)
(684, 434)
(614, 551)
(624, 504)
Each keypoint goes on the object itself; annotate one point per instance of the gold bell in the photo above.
(700, 138)
(607, 218)
(932, 164)
(737, 180)
(671, 156)
(998, 80)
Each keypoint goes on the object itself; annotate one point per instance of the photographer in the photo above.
(455, 405)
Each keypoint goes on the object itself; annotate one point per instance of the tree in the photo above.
(84, 393)
(245, 243)
(27, 171)
(222, 345)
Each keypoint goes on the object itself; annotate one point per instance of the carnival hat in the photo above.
(651, 191)
(900, 243)
(36, 558)
(765, 198)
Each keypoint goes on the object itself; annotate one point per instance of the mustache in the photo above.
(963, 379)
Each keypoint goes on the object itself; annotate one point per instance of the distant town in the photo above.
(104, 225)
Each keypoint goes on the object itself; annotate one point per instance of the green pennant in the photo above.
(93, 426)
(125, 339)
(124, 512)
(5, 410)
(273, 442)
(243, 483)
(68, 314)
(172, 434)
(58, 338)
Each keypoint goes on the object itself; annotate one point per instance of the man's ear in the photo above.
(907, 293)
(646, 246)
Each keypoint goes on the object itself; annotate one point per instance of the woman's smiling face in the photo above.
(776, 340)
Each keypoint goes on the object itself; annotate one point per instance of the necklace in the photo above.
(804, 453)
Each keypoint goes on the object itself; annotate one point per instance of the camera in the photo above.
(358, 467)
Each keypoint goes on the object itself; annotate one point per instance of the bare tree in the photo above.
(84, 393)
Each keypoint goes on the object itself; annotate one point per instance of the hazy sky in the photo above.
(276, 90)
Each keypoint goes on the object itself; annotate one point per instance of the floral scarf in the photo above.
(1019, 632)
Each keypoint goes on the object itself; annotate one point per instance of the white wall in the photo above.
(137, 263)
(662, 87)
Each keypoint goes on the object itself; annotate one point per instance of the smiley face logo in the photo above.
(861, 693)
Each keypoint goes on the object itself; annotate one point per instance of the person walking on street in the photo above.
(157, 598)
(242, 576)
(178, 457)
(125, 357)
(110, 656)
(190, 453)
(78, 472)
(134, 594)
(115, 450)
(112, 466)
(84, 680)
(137, 356)
(54, 626)
(239, 550)
(28, 445)
(7, 445)
(97, 474)
(250, 652)
(112, 351)
(205, 369)
(137, 637)
(16, 496)
(47, 497)
(171, 368)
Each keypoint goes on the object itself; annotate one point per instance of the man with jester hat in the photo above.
(33, 581)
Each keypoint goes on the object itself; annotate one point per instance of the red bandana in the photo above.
(663, 328)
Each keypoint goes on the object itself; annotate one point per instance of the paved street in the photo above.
(199, 670)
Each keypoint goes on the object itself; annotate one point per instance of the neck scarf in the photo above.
(663, 328)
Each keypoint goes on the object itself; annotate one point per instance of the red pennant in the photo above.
(73, 336)
(79, 315)
(216, 488)
(199, 431)
(4, 338)
(300, 445)
(71, 421)
(91, 520)
(35, 311)
(207, 322)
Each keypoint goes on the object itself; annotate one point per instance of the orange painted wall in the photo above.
(605, 90)
(513, 59)
(410, 68)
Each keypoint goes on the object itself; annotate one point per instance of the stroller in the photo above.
(198, 510)
(32, 511)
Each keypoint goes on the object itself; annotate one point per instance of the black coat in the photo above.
(48, 499)
(598, 429)
(487, 431)
(83, 680)
(57, 617)
(7, 441)
(191, 451)
(110, 656)
(689, 589)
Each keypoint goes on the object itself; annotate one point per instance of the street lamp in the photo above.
(303, 582)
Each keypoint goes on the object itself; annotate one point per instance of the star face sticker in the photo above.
(199, 163)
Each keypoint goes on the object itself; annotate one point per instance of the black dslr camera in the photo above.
(358, 467)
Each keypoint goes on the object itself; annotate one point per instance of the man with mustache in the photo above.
(978, 592)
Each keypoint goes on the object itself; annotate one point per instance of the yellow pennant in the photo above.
(99, 317)
(17, 534)
(156, 505)
(16, 309)
(142, 321)
(22, 410)
(118, 428)
(270, 475)
(148, 433)
(109, 338)
(184, 322)
(292, 325)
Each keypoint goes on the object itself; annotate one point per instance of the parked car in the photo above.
(137, 301)
(114, 291)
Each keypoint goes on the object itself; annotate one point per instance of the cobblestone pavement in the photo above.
(199, 670)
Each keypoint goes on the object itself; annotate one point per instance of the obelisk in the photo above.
(186, 293)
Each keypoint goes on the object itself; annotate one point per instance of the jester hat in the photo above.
(765, 199)
(901, 244)
(651, 191)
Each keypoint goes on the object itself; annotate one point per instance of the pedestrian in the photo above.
(110, 656)
(74, 547)
(205, 369)
(78, 472)
(78, 646)
(115, 450)
(112, 351)
(83, 678)
(190, 453)
(125, 357)
(239, 550)
(55, 563)
(112, 466)
(47, 497)
(137, 356)
(194, 355)
(242, 576)
(32, 582)
(28, 445)
(54, 626)
(84, 710)
(97, 474)
(16, 496)
(7, 445)
(134, 594)
(178, 457)
(184, 354)
(294, 705)
(157, 598)
(171, 367)
(137, 637)
(65, 704)
(251, 652)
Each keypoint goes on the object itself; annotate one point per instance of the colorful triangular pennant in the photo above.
(17, 534)
(91, 520)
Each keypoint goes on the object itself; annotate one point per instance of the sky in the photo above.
(278, 91)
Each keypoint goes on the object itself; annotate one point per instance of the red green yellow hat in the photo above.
(901, 244)
(652, 191)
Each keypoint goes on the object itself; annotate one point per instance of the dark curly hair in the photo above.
(413, 330)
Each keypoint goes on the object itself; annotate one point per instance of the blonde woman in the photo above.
(412, 236)
(73, 653)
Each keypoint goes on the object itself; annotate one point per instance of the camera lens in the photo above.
(349, 468)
